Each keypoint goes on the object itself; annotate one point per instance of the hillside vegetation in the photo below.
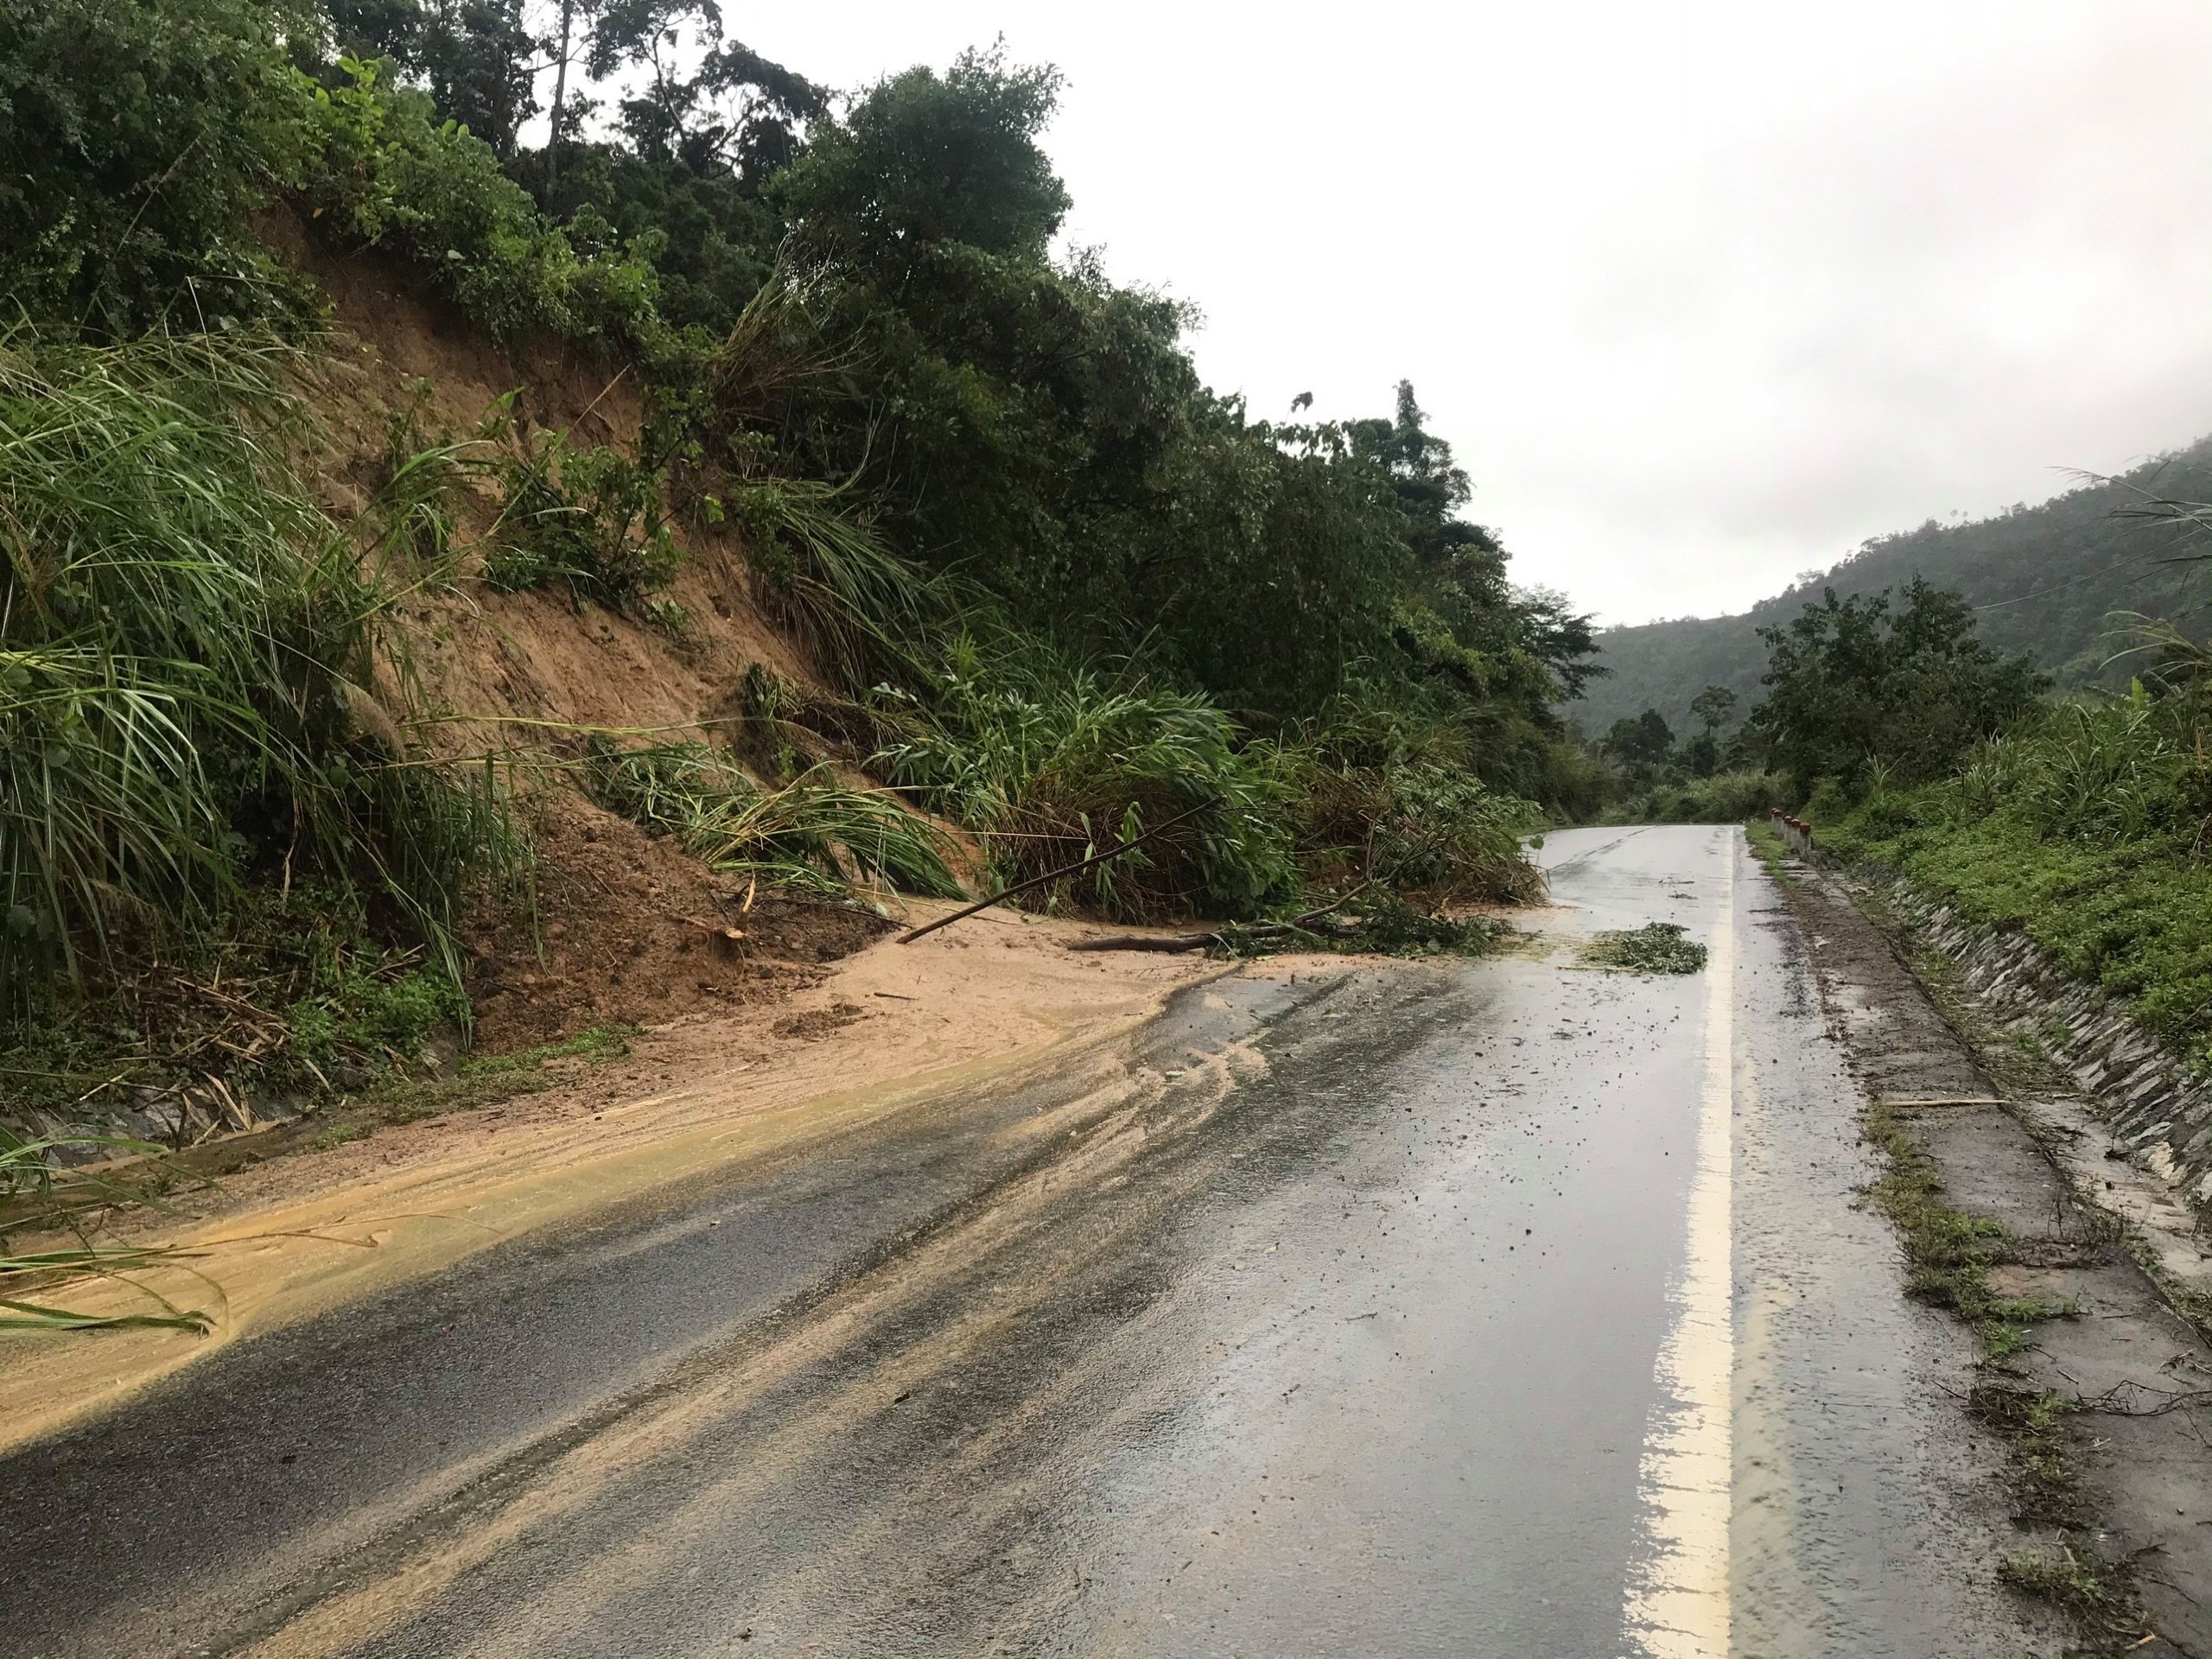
(2082, 817)
(2044, 582)
(440, 571)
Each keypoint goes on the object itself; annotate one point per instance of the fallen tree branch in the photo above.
(1174, 941)
(2119, 1401)
(1004, 894)
(1169, 942)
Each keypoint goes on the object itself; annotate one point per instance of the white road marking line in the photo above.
(1677, 1603)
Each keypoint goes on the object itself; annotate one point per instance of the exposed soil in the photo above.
(626, 925)
(2103, 1402)
(632, 932)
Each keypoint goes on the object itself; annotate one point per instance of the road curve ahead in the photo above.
(1503, 1307)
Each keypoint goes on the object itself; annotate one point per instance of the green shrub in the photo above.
(1051, 765)
(588, 518)
(382, 170)
(373, 1015)
(1655, 948)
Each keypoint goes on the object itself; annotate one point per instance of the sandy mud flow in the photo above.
(1497, 1307)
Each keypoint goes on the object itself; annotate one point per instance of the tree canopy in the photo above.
(1007, 417)
(1855, 682)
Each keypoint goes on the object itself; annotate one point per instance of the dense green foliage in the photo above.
(1860, 689)
(2088, 827)
(140, 139)
(2085, 822)
(380, 170)
(1722, 798)
(1856, 686)
(2054, 582)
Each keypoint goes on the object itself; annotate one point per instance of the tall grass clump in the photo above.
(827, 577)
(1051, 764)
(185, 643)
(814, 832)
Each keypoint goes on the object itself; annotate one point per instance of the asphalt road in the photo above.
(1502, 1308)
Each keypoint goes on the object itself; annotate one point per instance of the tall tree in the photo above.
(480, 62)
(927, 159)
(1856, 681)
(734, 109)
(577, 18)
(1640, 740)
(1712, 706)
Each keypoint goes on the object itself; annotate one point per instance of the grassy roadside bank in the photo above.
(2087, 828)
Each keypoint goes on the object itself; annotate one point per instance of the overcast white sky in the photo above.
(1704, 295)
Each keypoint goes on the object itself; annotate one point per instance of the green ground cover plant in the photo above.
(2085, 828)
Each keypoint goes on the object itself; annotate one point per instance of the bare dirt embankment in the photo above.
(300, 1235)
(526, 677)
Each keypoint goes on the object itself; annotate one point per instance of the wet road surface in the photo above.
(1498, 1308)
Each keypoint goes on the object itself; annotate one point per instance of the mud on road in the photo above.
(1457, 1307)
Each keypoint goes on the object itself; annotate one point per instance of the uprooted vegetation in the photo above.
(452, 589)
(1655, 948)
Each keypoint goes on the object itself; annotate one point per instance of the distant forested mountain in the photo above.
(2044, 581)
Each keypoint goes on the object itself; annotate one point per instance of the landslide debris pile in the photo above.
(459, 591)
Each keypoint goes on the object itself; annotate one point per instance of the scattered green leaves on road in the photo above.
(1655, 948)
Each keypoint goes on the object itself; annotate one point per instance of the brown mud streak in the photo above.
(1088, 1141)
(2144, 1505)
(284, 1240)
